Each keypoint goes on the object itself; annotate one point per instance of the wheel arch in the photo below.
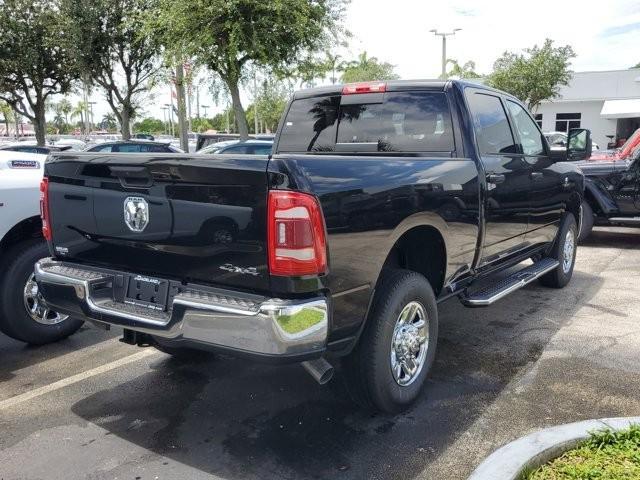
(30, 227)
(421, 247)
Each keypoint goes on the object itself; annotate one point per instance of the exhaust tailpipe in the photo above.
(319, 369)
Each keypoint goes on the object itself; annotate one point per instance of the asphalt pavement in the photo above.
(91, 407)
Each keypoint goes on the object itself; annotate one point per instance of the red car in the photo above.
(621, 153)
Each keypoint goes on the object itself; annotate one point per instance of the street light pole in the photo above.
(444, 36)
(205, 108)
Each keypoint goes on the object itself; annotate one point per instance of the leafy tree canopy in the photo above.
(366, 69)
(34, 60)
(110, 50)
(225, 35)
(149, 125)
(534, 76)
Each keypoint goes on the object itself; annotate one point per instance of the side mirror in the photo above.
(579, 144)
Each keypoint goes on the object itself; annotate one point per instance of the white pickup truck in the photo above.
(23, 313)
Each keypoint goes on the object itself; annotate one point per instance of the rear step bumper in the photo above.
(265, 327)
(494, 292)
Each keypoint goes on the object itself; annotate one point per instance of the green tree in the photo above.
(271, 104)
(226, 36)
(109, 122)
(366, 69)
(534, 76)
(201, 124)
(637, 65)
(78, 112)
(65, 109)
(7, 116)
(150, 125)
(468, 70)
(106, 38)
(34, 60)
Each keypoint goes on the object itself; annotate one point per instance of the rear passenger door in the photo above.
(547, 196)
(507, 176)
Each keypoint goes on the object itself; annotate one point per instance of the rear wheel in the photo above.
(388, 368)
(24, 314)
(563, 250)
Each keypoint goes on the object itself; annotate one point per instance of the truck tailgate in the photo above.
(188, 217)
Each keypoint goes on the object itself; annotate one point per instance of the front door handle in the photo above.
(537, 175)
(496, 178)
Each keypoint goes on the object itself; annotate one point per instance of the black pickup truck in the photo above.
(380, 201)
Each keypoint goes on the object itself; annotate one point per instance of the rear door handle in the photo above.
(537, 175)
(496, 178)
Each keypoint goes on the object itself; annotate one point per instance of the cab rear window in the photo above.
(400, 122)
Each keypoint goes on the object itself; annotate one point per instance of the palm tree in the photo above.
(65, 108)
(109, 121)
(468, 70)
(78, 112)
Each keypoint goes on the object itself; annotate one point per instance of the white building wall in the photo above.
(586, 94)
(591, 119)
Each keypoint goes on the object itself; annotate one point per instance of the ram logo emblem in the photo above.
(136, 213)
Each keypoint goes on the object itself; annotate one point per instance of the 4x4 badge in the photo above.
(136, 213)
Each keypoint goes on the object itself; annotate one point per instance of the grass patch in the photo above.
(606, 455)
(301, 320)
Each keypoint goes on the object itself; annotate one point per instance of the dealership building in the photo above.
(607, 103)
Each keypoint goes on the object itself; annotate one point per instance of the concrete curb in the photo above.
(537, 448)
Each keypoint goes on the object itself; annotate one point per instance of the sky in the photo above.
(604, 35)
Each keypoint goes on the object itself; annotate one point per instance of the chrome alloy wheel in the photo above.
(37, 307)
(409, 344)
(568, 251)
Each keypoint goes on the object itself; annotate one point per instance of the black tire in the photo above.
(561, 276)
(587, 221)
(368, 371)
(182, 354)
(15, 320)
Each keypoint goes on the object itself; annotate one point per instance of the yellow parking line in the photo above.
(65, 382)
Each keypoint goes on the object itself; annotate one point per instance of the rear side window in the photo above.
(310, 125)
(400, 122)
(491, 124)
(156, 148)
(127, 148)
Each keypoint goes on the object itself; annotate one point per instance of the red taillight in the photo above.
(44, 209)
(297, 244)
(364, 87)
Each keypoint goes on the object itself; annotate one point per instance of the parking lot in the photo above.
(91, 407)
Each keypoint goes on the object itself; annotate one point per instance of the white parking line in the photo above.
(65, 382)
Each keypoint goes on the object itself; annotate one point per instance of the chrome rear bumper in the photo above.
(208, 316)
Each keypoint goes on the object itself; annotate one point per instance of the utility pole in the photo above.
(169, 107)
(255, 103)
(197, 101)
(85, 101)
(444, 36)
(91, 121)
(165, 124)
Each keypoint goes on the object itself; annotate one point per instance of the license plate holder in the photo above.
(147, 292)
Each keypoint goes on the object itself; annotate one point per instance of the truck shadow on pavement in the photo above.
(236, 419)
(624, 238)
